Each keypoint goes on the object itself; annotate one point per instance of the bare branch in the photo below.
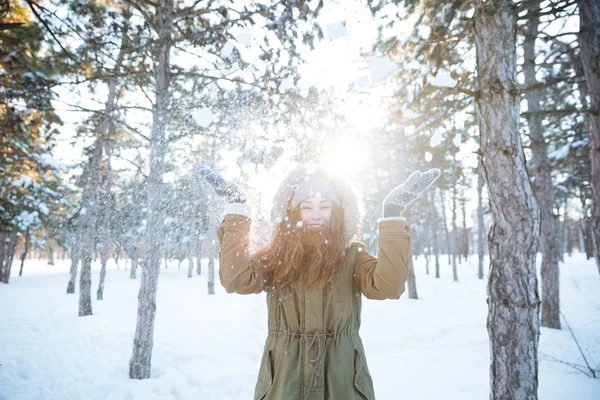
(550, 82)
(559, 112)
(578, 346)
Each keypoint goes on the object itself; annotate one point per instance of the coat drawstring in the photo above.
(316, 347)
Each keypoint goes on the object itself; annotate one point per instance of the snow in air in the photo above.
(203, 117)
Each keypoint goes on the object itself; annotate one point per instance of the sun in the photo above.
(346, 156)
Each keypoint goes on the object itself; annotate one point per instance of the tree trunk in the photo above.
(445, 226)
(199, 256)
(106, 193)
(434, 238)
(411, 282)
(568, 235)
(74, 264)
(589, 39)
(211, 269)
(134, 265)
(11, 246)
(513, 301)
(50, 252)
(190, 259)
(25, 250)
(2, 254)
(465, 232)
(87, 222)
(481, 234)
(542, 184)
(560, 237)
(454, 236)
(141, 359)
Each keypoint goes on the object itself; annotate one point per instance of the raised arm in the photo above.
(237, 271)
(384, 277)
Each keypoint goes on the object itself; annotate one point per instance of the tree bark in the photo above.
(589, 39)
(568, 235)
(542, 184)
(50, 252)
(87, 225)
(106, 193)
(11, 246)
(25, 250)
(434, 239)
(190, 259)
(211, 269)
(411, 282)
(74, 264)
(513, 301)
(445, 226)
(141, 359)
(134, 265)
(465, 232)
(2, 254)
(199, 256)
(481, 234)
(454, 236)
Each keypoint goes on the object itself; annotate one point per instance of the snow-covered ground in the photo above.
(209, 347)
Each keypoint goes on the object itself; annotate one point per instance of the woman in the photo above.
(314, 274)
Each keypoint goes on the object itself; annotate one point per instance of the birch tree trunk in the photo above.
(141, 359)
(480, 225)
(589, 39)
(25, 250)
(434, 239)
(542, 186)
(513, 301)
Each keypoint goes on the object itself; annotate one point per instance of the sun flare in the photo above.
(345, 156)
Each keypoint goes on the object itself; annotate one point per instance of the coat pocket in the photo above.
(362, 379)
(265, 377)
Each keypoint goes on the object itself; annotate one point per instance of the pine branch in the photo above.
(565, 111)
(552, 11)
(32, 5)
(550, 82)
(147, 17)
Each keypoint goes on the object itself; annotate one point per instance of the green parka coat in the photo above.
(313, 348)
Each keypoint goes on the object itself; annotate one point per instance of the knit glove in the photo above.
(404, 194)
(224, 188)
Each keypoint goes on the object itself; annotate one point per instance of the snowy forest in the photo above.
(108, 250)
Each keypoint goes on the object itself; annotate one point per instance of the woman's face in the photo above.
(315, 211)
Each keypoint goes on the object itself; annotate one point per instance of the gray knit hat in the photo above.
(304, 178)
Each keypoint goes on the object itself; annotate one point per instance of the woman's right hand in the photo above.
(224, 188)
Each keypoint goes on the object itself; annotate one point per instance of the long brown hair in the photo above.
(296, 252)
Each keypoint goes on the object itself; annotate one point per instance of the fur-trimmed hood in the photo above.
(348, 195)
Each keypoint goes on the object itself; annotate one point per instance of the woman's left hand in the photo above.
(404, 194)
